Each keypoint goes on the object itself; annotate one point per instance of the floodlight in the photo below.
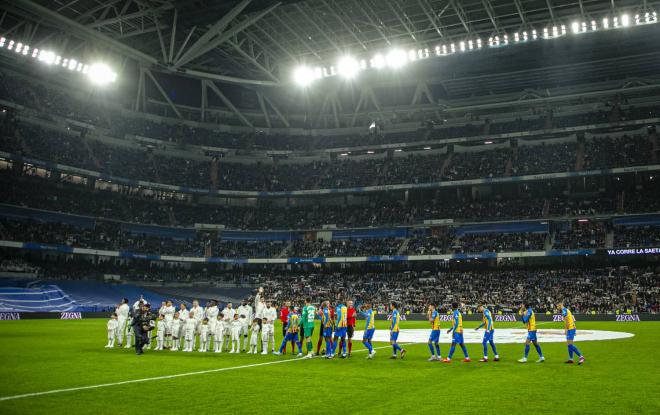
(545, 33)
(2, 42)
(348, 67)
(615, 20)
(11, 45)
(516, 37)
(575, 27)
(412, 55)
(606, 23)
(584, 26)
(478, 43)
(534, 34)
(72, 64)
(378, 61)
(625, 20)
(101, 74)
(563, 29)
(396, 58)
(47, 57)
(35, 52)
(303, 76)
(437, 51)
(26, 49)
(444, 49)
(58, 58)
(470, 44)
(593, 25)
(19, 47)
(555, 31)
(462, 46)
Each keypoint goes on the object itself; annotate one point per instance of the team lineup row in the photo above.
(220, 331)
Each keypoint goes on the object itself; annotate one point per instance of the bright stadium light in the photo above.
(378, 61)
(396, 58)
(303, 75)
(348, 67)
(47, 57)
(575, 27)
(606, 23)
(625, 20)
(101, 74)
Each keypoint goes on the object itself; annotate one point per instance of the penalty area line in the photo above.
(155, 378)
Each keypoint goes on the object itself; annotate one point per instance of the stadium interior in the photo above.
(397, 171)
(239, 157)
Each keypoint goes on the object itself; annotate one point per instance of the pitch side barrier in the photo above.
(501, 318)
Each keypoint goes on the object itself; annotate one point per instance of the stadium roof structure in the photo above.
(232, 46)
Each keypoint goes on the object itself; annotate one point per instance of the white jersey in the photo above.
(254, 338)
(259, 307)
(161, 326)
(236, 327)
(219, 329)
(176, 327)
(198, 313)
(190, 326)
(269, 315)
(184, 314)
(123, 311)
(212, 313)
(245, 310)
(228, 313)
(168, 312)
(112, 325)
(204, 330)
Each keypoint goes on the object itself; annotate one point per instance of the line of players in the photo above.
(337, 329)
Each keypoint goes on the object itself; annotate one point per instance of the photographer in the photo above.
(142, 324)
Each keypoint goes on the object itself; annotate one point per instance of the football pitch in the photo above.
(67, 360)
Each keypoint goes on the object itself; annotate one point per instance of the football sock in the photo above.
(437, 348)
(431, 349)
(451, 350)
(465, 352)
(538, 350)
(526, 350)
(492, 345)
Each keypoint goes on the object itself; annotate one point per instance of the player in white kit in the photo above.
(129, 333)
(219, 338)
(203, 335)
(268, 328)
(123, 310)
(228, 312)
(189, 329)
(168, 312)
(112, 330)
(198, 312)
(254, 337)
(212, 315)
(236, 328)
(161, 328)
(246, 315)
(176, 332)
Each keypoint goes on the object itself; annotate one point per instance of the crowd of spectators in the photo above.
(580, 235)
(143, 206)
(502, 242)
(599, 290)
(109, 235)
(143, 163)
(637, 237)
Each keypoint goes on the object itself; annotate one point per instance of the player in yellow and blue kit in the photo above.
(326, 328)
(292, 330)
(369, 329)
(529, 319)
(569, 330)
(434, 337)
(394, 331)
(457, 328)
(340, 329)
(489, 333)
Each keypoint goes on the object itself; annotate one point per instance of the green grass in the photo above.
(620, 377)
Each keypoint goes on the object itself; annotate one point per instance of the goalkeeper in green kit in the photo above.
(307, 322)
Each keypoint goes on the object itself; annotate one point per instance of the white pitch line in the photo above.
(178, 375)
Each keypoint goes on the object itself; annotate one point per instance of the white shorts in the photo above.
(245, 329)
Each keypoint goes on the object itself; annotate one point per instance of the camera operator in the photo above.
(142, 324)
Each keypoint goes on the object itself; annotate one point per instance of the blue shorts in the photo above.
(488, 336)
(458, 338)
(340, 332)
(531, 336)
(327, 332)
(435, 336)
(570, 334)
(368, 334)
(291, 337)
(394, 335)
